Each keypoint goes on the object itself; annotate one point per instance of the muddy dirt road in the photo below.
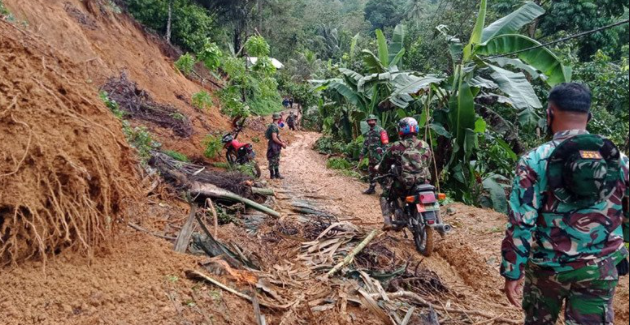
(467, 260)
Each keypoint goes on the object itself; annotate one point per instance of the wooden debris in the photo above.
(196, 275)
(348, 259)
(216, 217)
(263, 191)
(141, 229)
(212, 191)
(181, 244)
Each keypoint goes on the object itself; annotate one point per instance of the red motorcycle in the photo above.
(239, 153)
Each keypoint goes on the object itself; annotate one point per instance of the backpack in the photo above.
(584, 170)
(414, 169)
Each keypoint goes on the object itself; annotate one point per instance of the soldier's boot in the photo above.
(278, 176)
(370, 190)
(272, 173)
(387, 215)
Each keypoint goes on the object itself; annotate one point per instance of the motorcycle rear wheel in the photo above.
(423, 238)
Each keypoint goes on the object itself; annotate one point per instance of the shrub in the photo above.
(177, 155)
(111, 104)
(257, 46)
(212, 145)
(140, 138)
(210, 55)
(202, 100)
(185, 63)
(338, 164)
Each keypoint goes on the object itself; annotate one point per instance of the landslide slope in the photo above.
(104, 43)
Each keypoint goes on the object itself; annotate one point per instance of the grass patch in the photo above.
(177, 155)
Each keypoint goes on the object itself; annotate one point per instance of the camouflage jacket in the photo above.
(373, 145)
(271, 129)
(418, 169)
(556, 235)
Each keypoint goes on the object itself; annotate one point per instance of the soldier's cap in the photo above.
(584, 170)
(371, 117)
(276, 116)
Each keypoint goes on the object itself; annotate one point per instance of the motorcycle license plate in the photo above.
(425, 208)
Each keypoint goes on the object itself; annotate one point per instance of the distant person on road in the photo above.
(274, 147)
(374, 146)
(285, 102)
(291, 121)
(568, 220)
(412, 158)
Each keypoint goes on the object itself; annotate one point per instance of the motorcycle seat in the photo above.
(238, 145)
(424, 188)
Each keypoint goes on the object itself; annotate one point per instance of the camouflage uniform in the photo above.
(413, 171)
(273, 149)
(566, 252)
(291, 121)
(373, 148)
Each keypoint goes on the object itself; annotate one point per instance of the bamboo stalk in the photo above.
(350, 257)
(216, 217)
(263, 191)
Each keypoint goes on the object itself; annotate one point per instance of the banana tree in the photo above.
(510, 60)
(367, 92)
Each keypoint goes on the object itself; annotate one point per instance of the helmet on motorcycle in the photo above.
(227, 138)
(371, 117)
(408, 126)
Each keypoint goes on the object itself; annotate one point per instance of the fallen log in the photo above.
(212, 191)
(348, 259)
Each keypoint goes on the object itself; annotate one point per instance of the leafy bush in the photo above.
(202, 100)
(257, 46)
(338, 164)
(3, 10)
(212, 145)
(177, 155)
(185, 63)
(111, 104)
(140, 138)
(210, 55)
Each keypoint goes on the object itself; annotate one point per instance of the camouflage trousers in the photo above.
(274, 161)
(587, 292)
(273, 155)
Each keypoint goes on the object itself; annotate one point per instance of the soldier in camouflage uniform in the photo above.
(568, 220)
(274, 147)
(375, 144)
(411, 158)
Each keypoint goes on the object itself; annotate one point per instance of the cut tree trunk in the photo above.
(169, 22)
(209, 190)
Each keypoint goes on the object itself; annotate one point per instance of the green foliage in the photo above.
(257, 46)
(111, 104)
(191, 23)
(383, 13)
(3, 10)
(338, 164)
(212, 145)
(185, 64)
(202, 100)
(140, 138)
(177, 155)
(210, 55)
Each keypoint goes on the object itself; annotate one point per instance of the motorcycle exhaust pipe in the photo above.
(443, 229)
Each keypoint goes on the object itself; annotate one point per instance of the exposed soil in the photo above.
(137, 278)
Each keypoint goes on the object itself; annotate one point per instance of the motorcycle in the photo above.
(239, 153)
(419, 211)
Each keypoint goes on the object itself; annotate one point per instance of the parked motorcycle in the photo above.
(419, 211)
(239, 153)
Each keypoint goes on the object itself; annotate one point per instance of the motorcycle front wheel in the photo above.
(231, 157)
(423, 237)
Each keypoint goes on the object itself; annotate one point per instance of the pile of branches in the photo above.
(180, 174)
(137, 103)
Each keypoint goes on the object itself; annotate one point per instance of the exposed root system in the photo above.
(139, 105)
(64, 166)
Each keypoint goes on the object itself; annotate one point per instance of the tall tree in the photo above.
(383, 13)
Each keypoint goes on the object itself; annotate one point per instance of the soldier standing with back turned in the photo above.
(374, 146)
(568, 220)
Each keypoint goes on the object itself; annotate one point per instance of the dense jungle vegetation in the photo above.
(472, 72)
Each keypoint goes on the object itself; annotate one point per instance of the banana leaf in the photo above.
(383, 50)
(475, 37)
(372, 62)
(398, 43)
(516, 63)
(513, 22)
(520, 92)
(497, 194)
(406, 84)
(462, 113)
(540, 58)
